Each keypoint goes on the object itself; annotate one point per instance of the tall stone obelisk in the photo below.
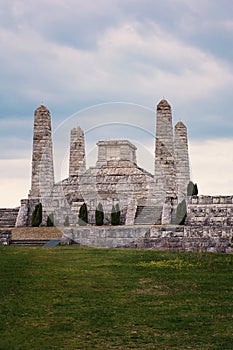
(165, 171)
(181, 154)
(77, 165)
(42, 179)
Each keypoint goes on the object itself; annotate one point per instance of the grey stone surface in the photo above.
(169, 237)
(23, 214)
(181, 155)
(77, 164)
(115, 150)
(210, 210)
(106, 237)
(42, 179)
(8, 217)
(165, 168)
(5, 237)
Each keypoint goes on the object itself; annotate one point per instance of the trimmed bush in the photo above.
(115, 215)
(67, 221)
(99, 215)
(192, 189)
(37, 215)
(118, 214)
(195, 190)
(181, 213)
(83, 215)
(50, 220)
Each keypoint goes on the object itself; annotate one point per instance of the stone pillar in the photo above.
(181, 159)
(22, 218)
(42, 180)
(165, 172)
(131, 211)
(77, 164)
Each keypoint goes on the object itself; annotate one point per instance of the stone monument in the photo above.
(144, 198)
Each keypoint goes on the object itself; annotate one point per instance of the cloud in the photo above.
(130, 61)
(71, 55)
(15, 181)
(212, 166)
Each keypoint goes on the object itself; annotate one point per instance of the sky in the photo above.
(104, 65)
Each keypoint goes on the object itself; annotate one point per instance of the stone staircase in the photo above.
(148, 215)
(29, 242)
(8, 217)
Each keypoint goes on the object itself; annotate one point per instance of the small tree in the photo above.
(118, 214)
(67, 221)
(83, 215)
(195, 190)
(50, 220)
(99, 215)
(192, 190)
(115, 215)
(37, 215)
(181, 213)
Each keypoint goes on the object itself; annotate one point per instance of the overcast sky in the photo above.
(105, 64)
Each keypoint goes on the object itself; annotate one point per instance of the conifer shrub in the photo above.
(67, 221)
(83, 215)
(99, 215)
(115, 215)
(50, 220)
(192, 189)
(195, 190)
(118, 214)
(181, 213)
(37, 215)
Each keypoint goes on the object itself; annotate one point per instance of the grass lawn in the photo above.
(82, 298)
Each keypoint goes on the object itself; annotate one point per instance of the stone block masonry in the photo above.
(210, 210)
(42, 179)
(181, 155)
(170, 237)
(5, 237)
(8, 217)
(77, 164)
(165, 169)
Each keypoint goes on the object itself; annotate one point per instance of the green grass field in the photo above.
(82, 298)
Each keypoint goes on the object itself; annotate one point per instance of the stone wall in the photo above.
(5, 237)
(210, 210)
(8, 217)
(171, 237)
(106, 237)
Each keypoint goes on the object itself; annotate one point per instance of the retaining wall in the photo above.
(5, 237)
(171, 237)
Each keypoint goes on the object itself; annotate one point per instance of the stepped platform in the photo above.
(30, 242)
(148, 215)
(8, 217)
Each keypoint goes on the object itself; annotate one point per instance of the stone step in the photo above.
(28, 242)
(8, 217)
(148, 215)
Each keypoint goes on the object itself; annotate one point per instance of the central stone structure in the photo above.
(143, 198)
